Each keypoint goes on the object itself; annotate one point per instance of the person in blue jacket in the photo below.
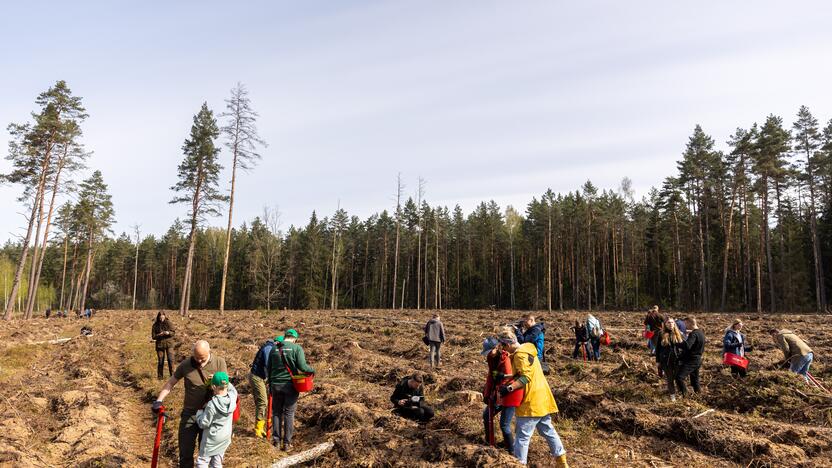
(258, 379)
(734, 343)
(529, 331)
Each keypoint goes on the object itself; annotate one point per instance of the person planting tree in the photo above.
(796, 352)
(258, 379)
(408, 399)
(287, 359)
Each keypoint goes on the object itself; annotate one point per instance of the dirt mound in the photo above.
(344, 416)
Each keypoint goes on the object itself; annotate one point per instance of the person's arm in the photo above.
(171, 330)
(522, 371)
(441, 332)
(153, 334)
(783, 345)
(206, 416)
(167, 388)
(398, 394)
(303, 366)
(222, 365)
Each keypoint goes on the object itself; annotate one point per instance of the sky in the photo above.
(485, 100)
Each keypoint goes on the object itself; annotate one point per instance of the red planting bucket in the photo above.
(302, 383)
(513, 399)
(731, 359)
(647, 334)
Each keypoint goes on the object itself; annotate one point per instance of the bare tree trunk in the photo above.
(136, 267)
(728, 244)
(184, 300)
(228, 229)
(22, 263)
(398, 225)
(63, 273)
(87, 275)
(35, 257)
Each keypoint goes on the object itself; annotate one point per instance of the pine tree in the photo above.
(94, 212)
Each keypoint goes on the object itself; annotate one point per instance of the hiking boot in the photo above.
(275, 443)
(287, 447)
(560, 462)
(260, 429)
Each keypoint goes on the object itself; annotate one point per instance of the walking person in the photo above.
(258, 379)
(434, 336)
(162, 333)
(594, 329)
(734, 343)
(538, 405)
(285, 355)
(653, 322)
(694, 347)
(215, 420)
(668, 354)
(197, 371)
(499, 374)
(581, 341)
(796, 352)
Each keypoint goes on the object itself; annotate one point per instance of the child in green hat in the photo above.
(215, 421)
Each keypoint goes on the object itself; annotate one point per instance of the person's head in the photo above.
(737, 325)
(161, 317)
(202, 352)
(291, 335)
(577, 323)
(415, 381)
(654, 309)
(219, 383)
(773, 332)
(669, 324)
(528, 320)
(508, 339)
(671, 333)
(488, 345)
(690, 322)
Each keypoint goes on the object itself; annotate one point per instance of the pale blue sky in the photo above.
(484, 99)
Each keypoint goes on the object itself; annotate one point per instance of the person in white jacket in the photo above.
(215, 421)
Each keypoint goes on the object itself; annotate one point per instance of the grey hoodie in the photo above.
(215, 421)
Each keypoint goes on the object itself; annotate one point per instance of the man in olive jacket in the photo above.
(285, 354)
(798, 354)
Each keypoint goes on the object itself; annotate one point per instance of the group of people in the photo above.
(588, 336)
(60, 313)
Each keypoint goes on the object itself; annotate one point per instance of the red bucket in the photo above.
(513, 399)
(647, 334)
(302, 383)
(731, 359)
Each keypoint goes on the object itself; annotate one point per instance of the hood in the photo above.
(536, 329)
(527, 348)
(227, 403)
(785, 332)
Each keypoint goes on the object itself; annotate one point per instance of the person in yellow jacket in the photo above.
(535, 412)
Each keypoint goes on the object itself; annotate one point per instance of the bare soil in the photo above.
(85, 402)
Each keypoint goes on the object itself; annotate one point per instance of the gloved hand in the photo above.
(157, 405)
(749, 348)
(505, 390)
(500, 375)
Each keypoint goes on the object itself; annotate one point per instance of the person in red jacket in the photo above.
(499, 374)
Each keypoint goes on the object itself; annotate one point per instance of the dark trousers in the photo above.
(421, 413)
(737, 371)
(689, 369)
(160, 362)
(587, 351)
(189, 435)
(596, 348)
(284, 403)
(670, 378)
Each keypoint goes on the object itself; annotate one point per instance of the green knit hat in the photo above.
(220, 379)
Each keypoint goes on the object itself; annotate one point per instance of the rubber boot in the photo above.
(260, 429)
(560, 462)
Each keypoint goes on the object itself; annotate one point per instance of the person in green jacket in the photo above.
(286, 354)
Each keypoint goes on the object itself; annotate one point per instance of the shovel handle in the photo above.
(160, 421)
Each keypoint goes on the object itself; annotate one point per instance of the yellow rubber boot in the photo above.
(560, 462)
(260, 429)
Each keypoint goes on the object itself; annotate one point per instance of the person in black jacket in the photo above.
(408, 398)
(693, 347)
(162, 333)
(581, 340)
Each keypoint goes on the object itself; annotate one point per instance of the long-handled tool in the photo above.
(489, 427)
(817, 383)
(269, 418)
(159, 423)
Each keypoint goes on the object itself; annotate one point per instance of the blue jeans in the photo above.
(506, 415)
(525, 428)
(801, 365)
(596, 347)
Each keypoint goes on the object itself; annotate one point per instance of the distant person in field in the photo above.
(694, 348)
(669, 349)
(258, 378)
(654, 323)
(434, 336)
(594, 329)
(734, 342)
(581, 341)
(408, 398)
(215, 421)
(538, 405)
(528, 330)
(197, 371)
(162, 333)
(796, 352)
(286, 355)
(499, 373)
(48, 313)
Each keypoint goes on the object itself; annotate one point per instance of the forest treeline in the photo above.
(743, 225)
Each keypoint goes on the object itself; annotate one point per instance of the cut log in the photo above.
(708, 411)
(304, 456)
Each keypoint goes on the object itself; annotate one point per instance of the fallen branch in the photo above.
(304, 456)
(708, 411)
(58, 341)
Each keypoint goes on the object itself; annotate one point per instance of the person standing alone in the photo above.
(434, 336)
(162, 333)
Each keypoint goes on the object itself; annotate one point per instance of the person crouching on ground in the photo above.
(258, 379)
(581, 341)
(538, 405)
(215, 421)
(499, 374)
(593, 327)
(668, 353)
(408, 399)
(286, 355)
(734, 342)
(796, 352)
